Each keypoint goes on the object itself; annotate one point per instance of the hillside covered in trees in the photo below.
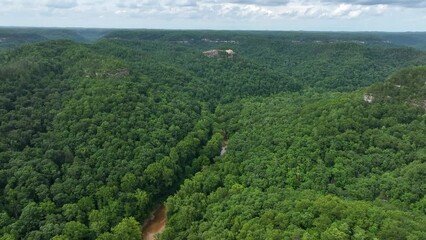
(326, 134)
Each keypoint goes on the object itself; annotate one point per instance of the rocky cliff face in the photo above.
(215, 53)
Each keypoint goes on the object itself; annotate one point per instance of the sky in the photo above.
(308, 15)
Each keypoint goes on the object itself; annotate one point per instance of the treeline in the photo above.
(342, 63)
(13, 37)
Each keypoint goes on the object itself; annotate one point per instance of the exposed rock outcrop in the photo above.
(215, 53)
(368, 98)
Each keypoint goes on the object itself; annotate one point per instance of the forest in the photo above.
(325, 134)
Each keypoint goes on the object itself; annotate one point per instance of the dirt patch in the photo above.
(155, 224)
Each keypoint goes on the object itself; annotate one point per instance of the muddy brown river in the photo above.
(155, 224)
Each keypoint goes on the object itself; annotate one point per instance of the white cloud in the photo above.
(207, 12)
(401, 3)
(62, 4)
(214, 8)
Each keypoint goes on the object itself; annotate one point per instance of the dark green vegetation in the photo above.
(12, 37)
(94, 137)
(309, 166)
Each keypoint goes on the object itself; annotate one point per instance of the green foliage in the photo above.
(313, 166)
(128, 228)
(76, 230)
(13, 37)
(93, 137)
(408, 85)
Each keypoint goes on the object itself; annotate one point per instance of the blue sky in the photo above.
(316, 15)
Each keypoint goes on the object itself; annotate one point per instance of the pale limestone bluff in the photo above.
(230, 52)
(368, 98)
(219, 41)
(211, 53)
(215, 52)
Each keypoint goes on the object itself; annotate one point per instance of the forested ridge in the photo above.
(326, 136)
(313, 166)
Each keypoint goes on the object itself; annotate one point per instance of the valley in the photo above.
(111, 134)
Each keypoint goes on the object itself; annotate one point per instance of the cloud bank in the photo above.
(408, 3)
(65, 4)
(131, 13)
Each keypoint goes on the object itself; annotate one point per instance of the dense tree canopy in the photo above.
(314, 166)
(96, 136)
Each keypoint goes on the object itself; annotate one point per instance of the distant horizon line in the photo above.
(211, 29)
